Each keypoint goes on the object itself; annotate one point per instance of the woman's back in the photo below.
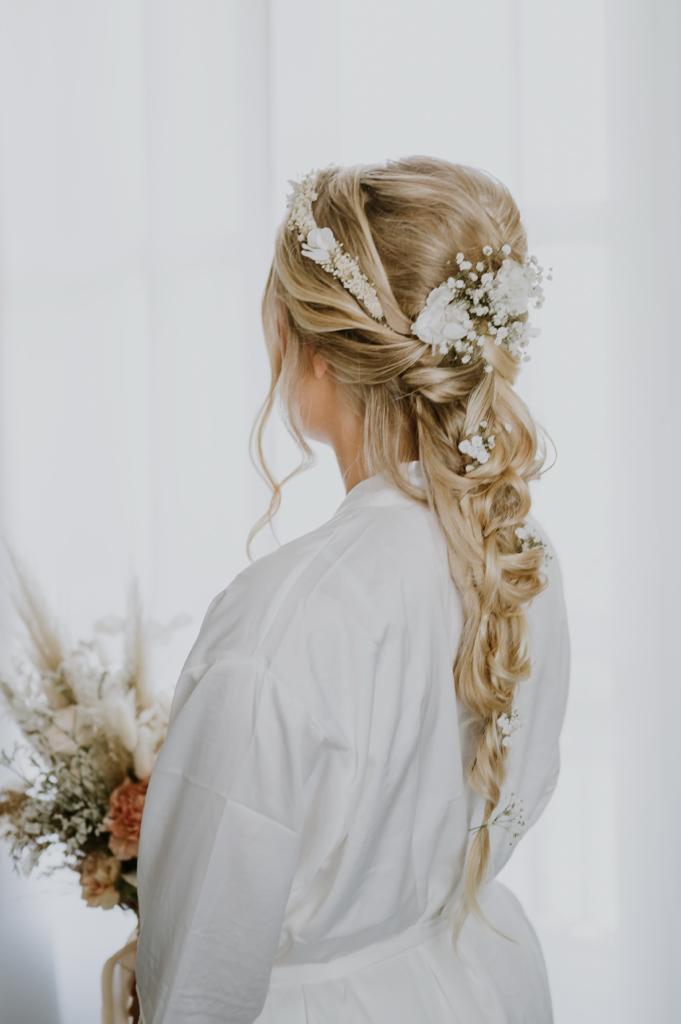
(313, 788)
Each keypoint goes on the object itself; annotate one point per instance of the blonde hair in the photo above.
(404, 221)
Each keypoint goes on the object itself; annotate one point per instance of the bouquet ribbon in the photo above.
(115, 981)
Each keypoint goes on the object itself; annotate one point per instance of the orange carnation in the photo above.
(124, 819)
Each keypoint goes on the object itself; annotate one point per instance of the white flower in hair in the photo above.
(444, 321)
(477, 446)
(497, 297)
(507, 725)
(509, 291)
(529, 539)
(321, 245)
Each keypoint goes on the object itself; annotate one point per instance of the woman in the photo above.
(369, 718)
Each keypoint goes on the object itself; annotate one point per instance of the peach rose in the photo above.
(98, 875)
(124, 819)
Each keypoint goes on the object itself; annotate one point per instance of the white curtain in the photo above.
(145, 149)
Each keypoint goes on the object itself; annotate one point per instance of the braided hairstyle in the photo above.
(404, 220)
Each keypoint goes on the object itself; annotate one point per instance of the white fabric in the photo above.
(308, 814)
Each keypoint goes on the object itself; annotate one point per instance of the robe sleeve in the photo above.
(533, 759)
(219, 842)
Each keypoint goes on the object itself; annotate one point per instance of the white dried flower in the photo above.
(510, 290)
(529, 539)
(444, 319)
(478, 446)
(507, 725)
(320, 245)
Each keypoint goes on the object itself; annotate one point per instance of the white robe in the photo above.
(308, 814)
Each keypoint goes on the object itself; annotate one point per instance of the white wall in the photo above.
(144, 155)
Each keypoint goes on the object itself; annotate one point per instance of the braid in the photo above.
(479, 513)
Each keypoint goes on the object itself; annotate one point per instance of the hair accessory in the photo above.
(499, 297)
(477, 446)
(529, 538)
(321, 245)
(510, 817)
(507, 725)
(459, 313)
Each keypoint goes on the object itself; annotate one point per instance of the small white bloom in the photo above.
(510, 291)
(320, 245)
(529, 539)
(477, 446)
(442, 319)
(506, 724)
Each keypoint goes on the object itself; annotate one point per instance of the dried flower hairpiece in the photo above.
(321, 245)
(500, 297)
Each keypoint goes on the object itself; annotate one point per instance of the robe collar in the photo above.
(379, 490)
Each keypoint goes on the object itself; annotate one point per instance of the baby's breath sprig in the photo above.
(511, 818)
(497, 299)
(529, 538)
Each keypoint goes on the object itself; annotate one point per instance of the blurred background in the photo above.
(145, 152)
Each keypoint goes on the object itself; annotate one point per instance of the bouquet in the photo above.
(90, 730)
